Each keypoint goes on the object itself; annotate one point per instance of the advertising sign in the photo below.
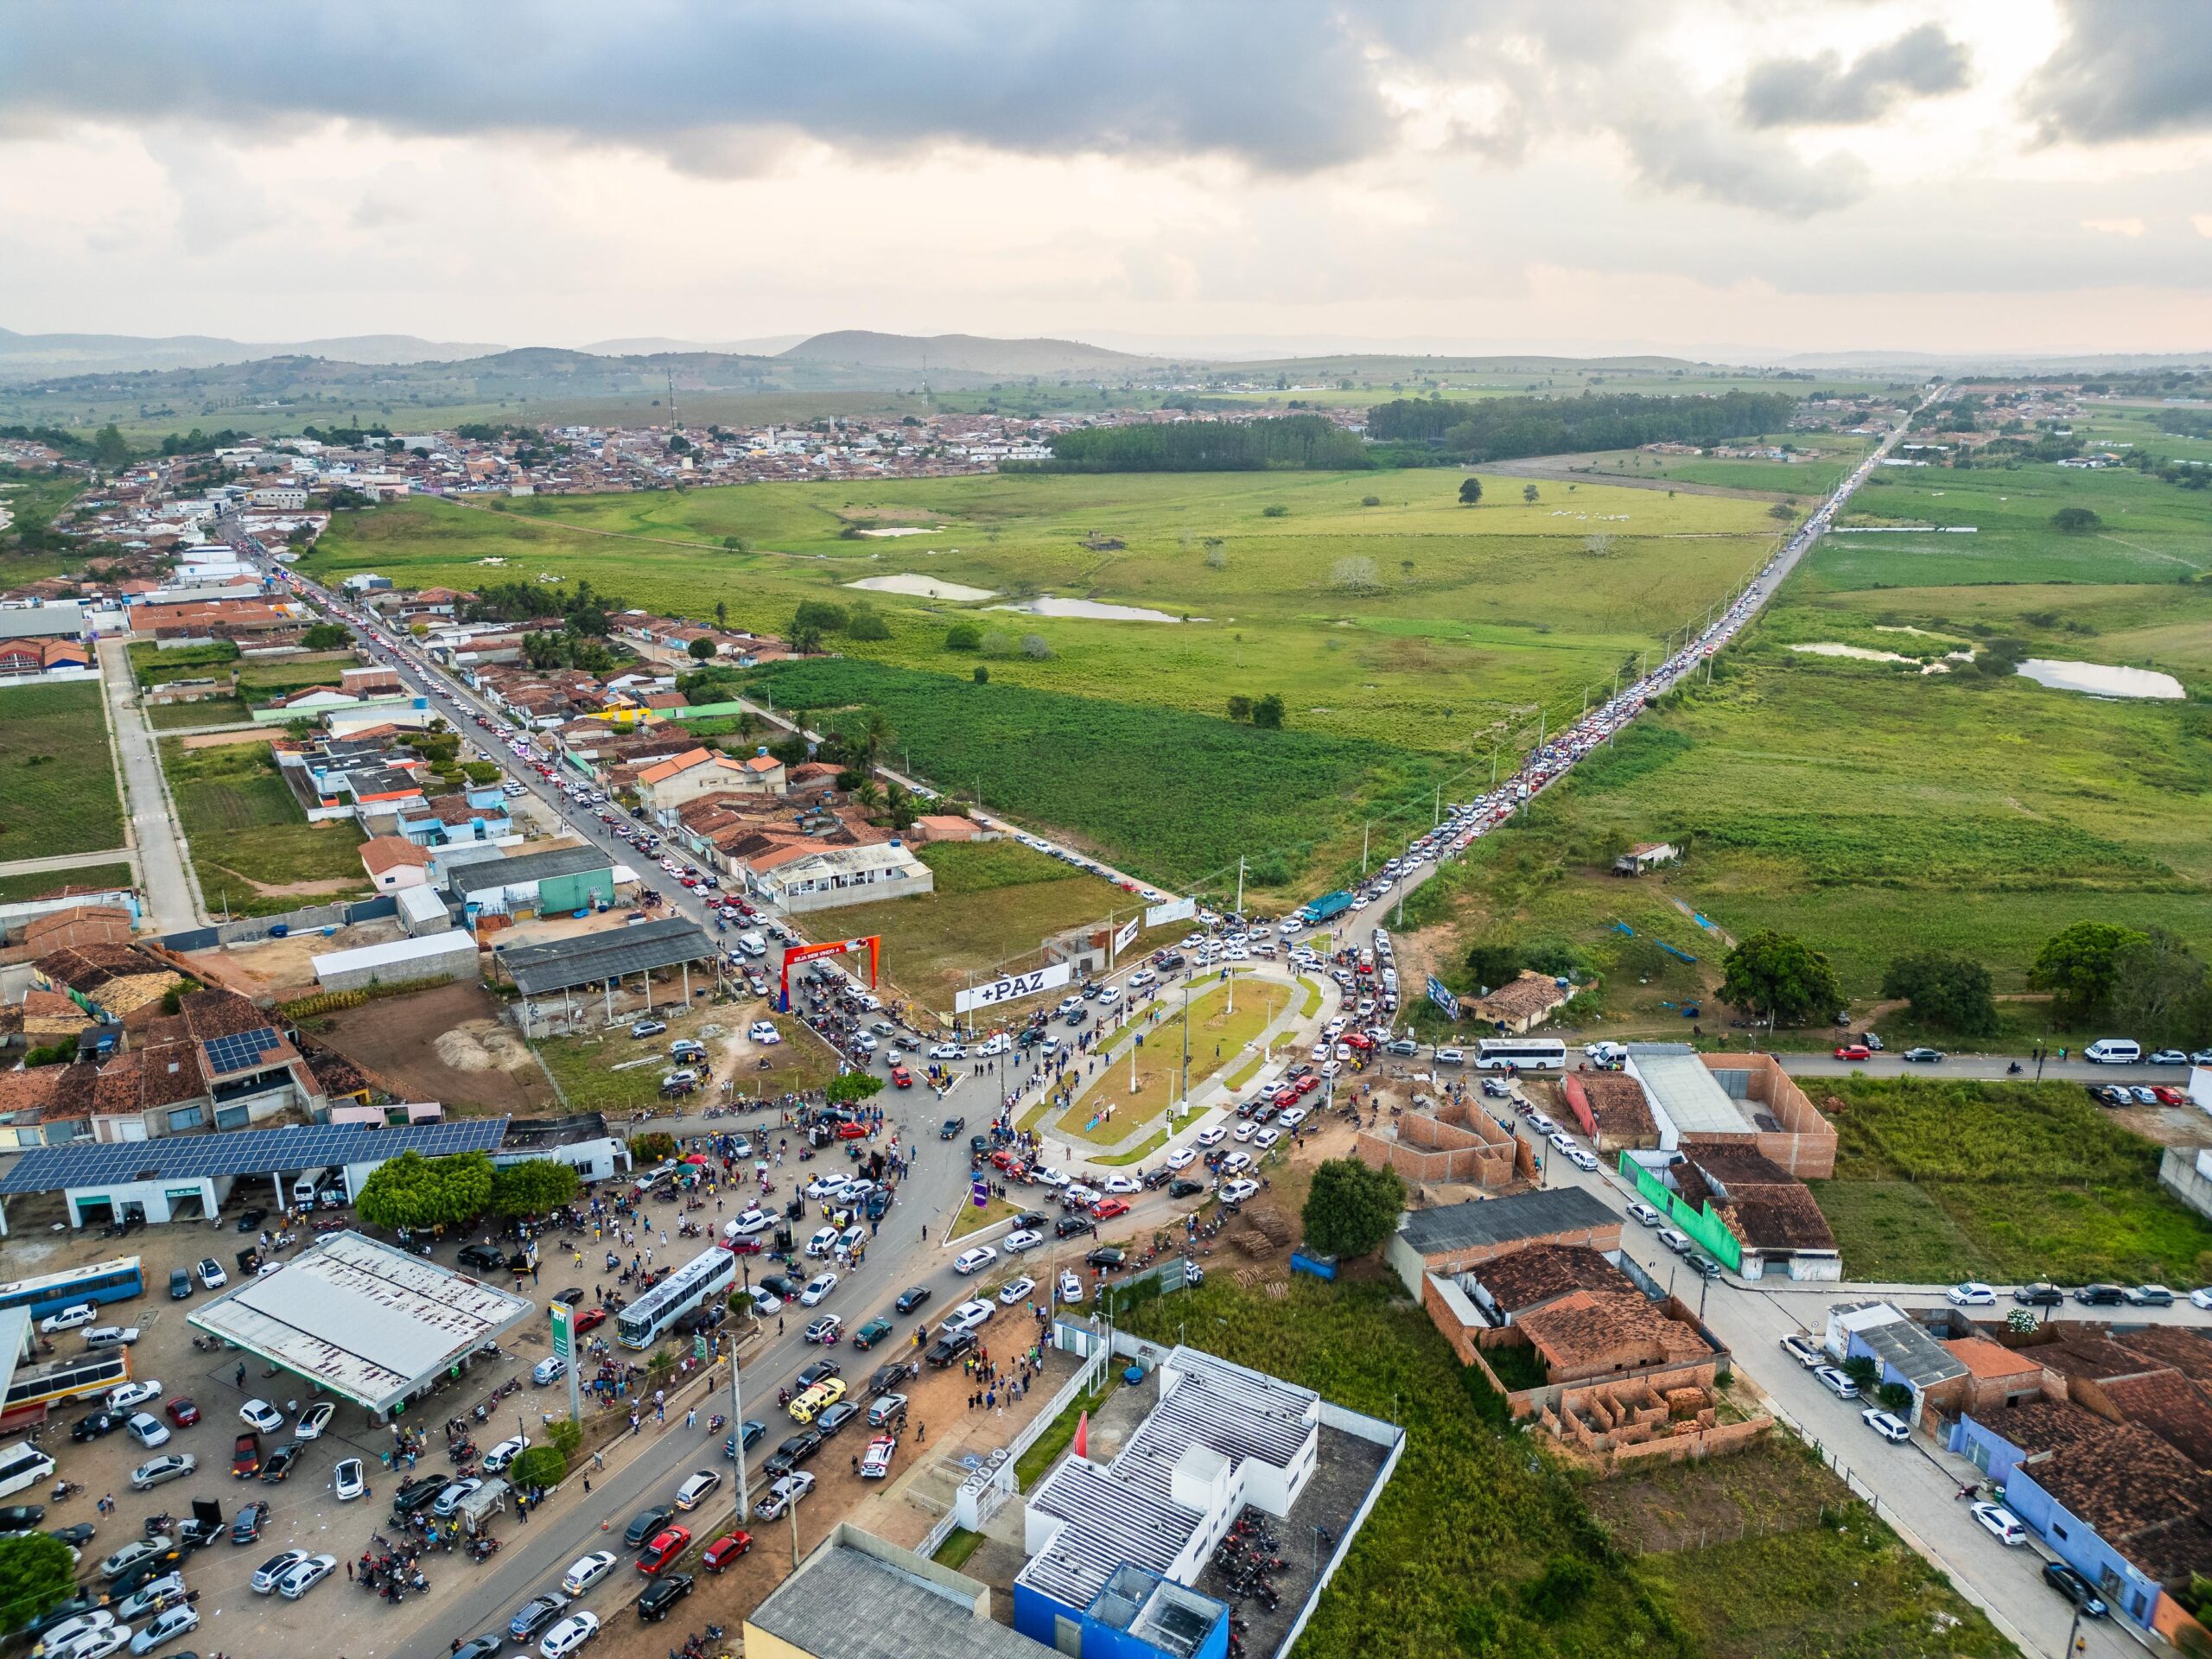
(980, 1192)
(1443, 998)
(1177, 910)
(1012, 988)
(1127, 937)
(562, 1339)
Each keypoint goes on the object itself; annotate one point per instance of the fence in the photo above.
(247, 928)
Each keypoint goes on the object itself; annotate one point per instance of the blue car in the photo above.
(754, 1431)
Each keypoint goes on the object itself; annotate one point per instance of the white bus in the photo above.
(1521, 1054)
(22, 1464)
(703, 1278)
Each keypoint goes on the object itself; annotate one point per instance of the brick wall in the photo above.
(1805, 1145)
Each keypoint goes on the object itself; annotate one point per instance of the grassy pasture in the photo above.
(57, 780)
(254, 850)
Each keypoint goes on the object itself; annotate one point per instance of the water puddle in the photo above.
(1093, 610)
(922, 587)
(2101, 679)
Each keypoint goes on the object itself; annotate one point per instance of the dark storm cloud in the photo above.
(1683, 151)
(2132, 71)
(1820, 91)
(1287, 86)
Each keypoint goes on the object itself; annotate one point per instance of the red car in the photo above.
(245, 1455)
(667, 1544)
(1854, 1051)
(1003, 1157)
(1358, 1040)
(1308, 1083)
(182, 1412)
(1107, 1208)
(726, 1549)
(850, 1132)
(589, 1317)
(2170, 1094)
(901, 1077)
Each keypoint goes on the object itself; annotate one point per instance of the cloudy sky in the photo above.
(1754, 175)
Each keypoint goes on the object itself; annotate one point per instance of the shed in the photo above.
(447, 955)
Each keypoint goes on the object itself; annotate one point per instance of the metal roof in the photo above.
(240, 1152)
(522, 868)
(364, 1320)
(39, 621)
(1503, 1221)
(1682, 1088)
(562, 965)
(1125, 1513)
(1907, 1348)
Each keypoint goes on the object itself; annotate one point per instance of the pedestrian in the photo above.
(349, 1575)
(691, 1419)
(586, 1482)
(522, 1511)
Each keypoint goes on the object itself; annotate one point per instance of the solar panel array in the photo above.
(242, 1050)
(242, 1151)
(560, 964)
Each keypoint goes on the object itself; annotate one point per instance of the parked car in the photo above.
(1888, 1425)
(1999, 1522)
(725, 1549)
(1836, 1383)
(2076, 1589)
(1804, 1350)
(2148, 1296)
(694, 1491)
(2101, 1296)
(2042, 1294)
(663, 1547)
(587, 1571)
(571, 1634)
(975, 1261)
(1970, 1293)
(662, 1594)
(790, 1489)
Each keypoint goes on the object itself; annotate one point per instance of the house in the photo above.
(216, 1062)
(1746, 1100)
(856, 1597)
(1647, 855)
(1522, 1004)
(109, 982)
(554, 879)
(1536, 1276)
(471, 815)
(664, 789)
(1771, 1214)
(1456, 1238)
(799, 879)
(1903, 1351)
(395, 862)
(1594, 1334)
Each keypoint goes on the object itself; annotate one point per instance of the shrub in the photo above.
(2075, 521)
(963, 636)
(1275, 511)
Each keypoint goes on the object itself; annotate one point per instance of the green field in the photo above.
(57, 779)
(586, 1067)
(1217, 1036)
(255, 852)
(14, 889)
(1808, 481)
(208, 711)
(2007, 1182)
(1875, 810)
(992, 901)
(1443, 621)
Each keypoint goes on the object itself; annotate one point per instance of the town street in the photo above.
(163, 876)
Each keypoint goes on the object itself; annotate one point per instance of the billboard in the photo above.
(1443, 998)
(561, 1314)
(1127, 936)
(1175, 910)
(1012, 988)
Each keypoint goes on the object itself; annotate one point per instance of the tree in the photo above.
(533, 1187)
(324, 636)
(2077, 964)
(1351, 1207)
(851, 1087)
(1036, 647)
(660, 1366)
(541, 1466)
(1528, 494)
(1779, 977)
(963, 636)
(1861, 1369)
(2075, 521)
(721, 613)
(1268, 712)
(806, 639)
(899, 805)
(1782, 511)
(1894, 1398)
(1240, 707)
(1357, 576)
(982, 676)
(414, 1192)
(110, 449)
(1470, 491)
(2158, 985)
(701, 649)
(1950, 993)
(568, 1437)
(1495, 963)
(36, 1573)
(654, 1148)
(867, 623)
(820, 615)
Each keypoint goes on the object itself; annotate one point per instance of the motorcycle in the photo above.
(67, 1488)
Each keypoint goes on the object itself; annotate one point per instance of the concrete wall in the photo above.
(1703, 1225)
(2186, 1171)
(1805, 1146)
(1454, 1144)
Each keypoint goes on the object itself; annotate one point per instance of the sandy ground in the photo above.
(446, 1044)
(281, 967)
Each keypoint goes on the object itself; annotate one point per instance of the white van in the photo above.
(752, 945)
(2114, 1051)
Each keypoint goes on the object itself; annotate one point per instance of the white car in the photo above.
(2201, 1297)
(124, 1395)
(947, 1052)
(1237, 1192)
(1045, 1175)
(1888, 1425)
(766, 1301)
(261, 1416)
(1645, 1213)
(1836, 1383)
(265, 1575)
(975, 1261)
(69, 1319)
(304, 1577)
(1016, 1290)
(569, 1635)
(764, 1034)
(165, 1627)
(1971, 1294)
(1246, 1130)
(1804, 1350)
(313, 1421)
(1028, 1238)
(1582, 1160)
(968, 1316)
(551, 1369)
(823, 1242)
(1213, 1135)
(211, 1274)
(1078, 1194)
(505, 1452)
(1292, 1118)
(348, 1480)
(1999, 1522)
(817, 1289)
(1122, 1183)
(148, 1430)
(150, 1595)
(57, 1639)
(785, 1492)
(170, 1466)
(755, 1220)
(1070, 1290)
(1267, 1138)
(1236, 1163)
(95, 1644)
(1181, 1158)
(823, 1187)
(1451, 1057)
(693, 1492)
(587, 1571)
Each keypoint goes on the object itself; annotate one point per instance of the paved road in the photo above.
(1986, 1067)
(67, 862)
(172, 900)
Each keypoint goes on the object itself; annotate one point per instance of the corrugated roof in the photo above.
(1504, 1221)
(848, 1604)
(1684, 1092)
(526, 868)
(563, 964)
(1909, 1350)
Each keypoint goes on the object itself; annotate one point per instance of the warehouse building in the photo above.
(550, 974)
(559, 880)
(857, 1597)
(449, 955)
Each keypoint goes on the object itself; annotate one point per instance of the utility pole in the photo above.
(737, 1421)
(1364, 829)
(1239, 884)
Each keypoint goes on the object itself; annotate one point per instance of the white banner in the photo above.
(1012, 988)
(1179, 910)
(1127, 937)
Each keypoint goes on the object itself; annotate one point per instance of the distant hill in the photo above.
(972, 353)
(34, 357)
(650, 345)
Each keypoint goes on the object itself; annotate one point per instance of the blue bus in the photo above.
(103, 1281)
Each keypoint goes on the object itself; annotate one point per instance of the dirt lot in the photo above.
(448, 1044)
(280, 967)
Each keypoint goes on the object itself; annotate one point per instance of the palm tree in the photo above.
(868, 796)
